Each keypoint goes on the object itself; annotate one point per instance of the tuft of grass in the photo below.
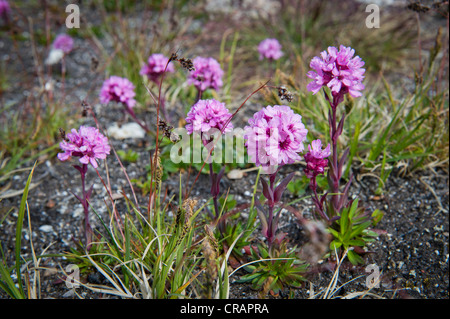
(30, 134)
(6, 282)
(154, 255)
(391, 128)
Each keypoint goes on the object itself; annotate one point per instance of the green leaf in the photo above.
(359, 229)
(356, 242)
(377, 215)
(343, 221)
(334, 232)
(335, 244)
(19, 226)
(258, 283)
(224, 284)
(251, 269)
(354, 258)
(353, 147)
(353, 209)
(368, 239)
(7, 284)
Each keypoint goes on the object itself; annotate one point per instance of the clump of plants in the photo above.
(179, 246)
(158, 254)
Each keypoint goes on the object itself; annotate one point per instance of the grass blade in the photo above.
(7, 284)
(22, 208)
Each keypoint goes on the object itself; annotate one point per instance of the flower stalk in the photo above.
(205, 118)
(342, 73)
(274, 137)
(89, 145)
(84, 200)
(336, 164)
(273, 194)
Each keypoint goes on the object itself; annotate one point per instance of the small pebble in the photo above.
(46, 228)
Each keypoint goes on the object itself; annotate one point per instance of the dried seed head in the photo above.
(178, 217)
(282, 90)
(417, 7)
(94, 63)
(184, 231)
(174, 57)
(164, 126)
(211, 238)
(86, 108)
(188, 206)
(167, 131)
(187, 64)
(284, 94)
(210, 256)
(186, 209)
(211, 267)
(210, 250)
(159, 170)
(174, 137)
(62, 133)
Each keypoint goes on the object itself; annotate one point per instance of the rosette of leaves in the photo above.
(276, 271)
(351, 231)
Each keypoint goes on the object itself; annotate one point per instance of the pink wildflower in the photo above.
(155, 66)
(275, 136)
(338, 70)
(207, 114)
(315, 159)
(5, 9)
(270, 49)
(119, 90)
(63, 42)
(87, 143)
(207, 74)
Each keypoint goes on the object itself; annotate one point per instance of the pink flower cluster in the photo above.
(315, 159)
(87, 143)
(5, 9)
(338, 70)
(270, 49)
(275, 136)
(155, 66)
(63, 42)
(119, 90)
(207, 114)
(207, 74)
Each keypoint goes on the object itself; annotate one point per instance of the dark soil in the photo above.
(411, 252)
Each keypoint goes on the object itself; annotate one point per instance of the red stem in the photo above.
(335, 176)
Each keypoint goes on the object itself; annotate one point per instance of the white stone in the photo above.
(54, 56)
(46, 228)
(129, 130)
